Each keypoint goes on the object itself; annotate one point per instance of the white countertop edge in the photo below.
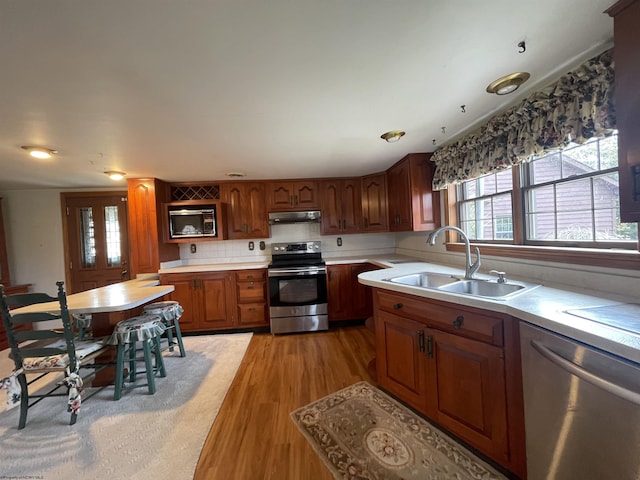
(214, 267)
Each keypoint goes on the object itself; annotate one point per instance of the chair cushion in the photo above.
(83, 349)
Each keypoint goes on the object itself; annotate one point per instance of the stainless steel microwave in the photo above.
(192, 221)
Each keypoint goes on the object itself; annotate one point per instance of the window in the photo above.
(568, 198)
(486, 207)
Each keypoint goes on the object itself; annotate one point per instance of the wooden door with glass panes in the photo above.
(95, 239)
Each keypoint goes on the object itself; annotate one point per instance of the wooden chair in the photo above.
(44, 350)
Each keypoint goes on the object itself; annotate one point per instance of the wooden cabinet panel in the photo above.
(246, 210)
(348, 298)
(341, 204)
(147, 248)
(374, 203)
(292, 195)
(626, 36)
(467, 393)
(208, 299)
(217, 291)
(338, 292)
(400, 361)
(413, 205)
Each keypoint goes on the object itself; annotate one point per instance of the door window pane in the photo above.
(87, 238)
(112, 233)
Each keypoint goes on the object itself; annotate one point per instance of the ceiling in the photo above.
(190, 90)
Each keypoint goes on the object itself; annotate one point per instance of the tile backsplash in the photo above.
(237, 251)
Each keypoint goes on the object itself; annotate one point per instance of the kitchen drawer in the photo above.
(250, 275)
(251, 291)
(252, 313)
(400, 304)
(452, 318)
(487, 328)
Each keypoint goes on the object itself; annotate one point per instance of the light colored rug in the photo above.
(141, 436)
(362, 433)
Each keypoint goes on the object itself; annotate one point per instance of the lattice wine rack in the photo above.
(195, 192)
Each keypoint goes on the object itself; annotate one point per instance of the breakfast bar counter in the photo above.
(108, 306)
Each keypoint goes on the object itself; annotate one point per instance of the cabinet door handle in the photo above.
(366, 223)
(457, 323)
(295, 200)
(429, 346)
(397, 306)
(421, 340)
(291, 200)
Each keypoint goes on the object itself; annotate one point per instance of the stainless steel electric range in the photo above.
(297, 288)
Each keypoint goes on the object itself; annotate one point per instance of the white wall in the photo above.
(33, 224)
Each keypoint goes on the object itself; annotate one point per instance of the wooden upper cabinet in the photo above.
(626, 37)
(245, 210)
(413, 205)
(341, 203)
(147, 248)
(374, 203)
(292, 195)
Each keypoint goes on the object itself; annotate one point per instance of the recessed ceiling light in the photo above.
(392, 136)
(508, 83)
(114, 174)
(39, 152)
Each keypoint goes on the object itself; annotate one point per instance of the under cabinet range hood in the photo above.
(277, 218)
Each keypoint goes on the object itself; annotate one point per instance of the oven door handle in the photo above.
(288, 272)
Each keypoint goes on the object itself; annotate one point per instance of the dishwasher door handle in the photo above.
(585, 375)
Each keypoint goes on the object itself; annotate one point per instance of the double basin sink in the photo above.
(475, 287)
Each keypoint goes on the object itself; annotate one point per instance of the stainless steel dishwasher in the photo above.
(582, 410)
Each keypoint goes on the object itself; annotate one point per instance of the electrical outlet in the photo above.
(192, 247)
(251, 245)
(339, 241)
(262, 245)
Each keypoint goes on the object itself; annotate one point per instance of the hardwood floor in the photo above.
(253, 437)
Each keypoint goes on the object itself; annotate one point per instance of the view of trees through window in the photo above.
(569, 198)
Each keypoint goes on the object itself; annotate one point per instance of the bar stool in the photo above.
(147, 330)
(170, 312)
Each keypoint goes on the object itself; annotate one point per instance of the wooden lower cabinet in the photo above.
(251, 294)
(348, 299)
(207, 298)
(458, 366)
(220, 300)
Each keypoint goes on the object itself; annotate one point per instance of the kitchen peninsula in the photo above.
(108, 305)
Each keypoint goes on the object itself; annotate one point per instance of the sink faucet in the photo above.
(470, 268)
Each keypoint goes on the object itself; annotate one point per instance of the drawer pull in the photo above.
(250, 287)
(397, 306)
(457, 323)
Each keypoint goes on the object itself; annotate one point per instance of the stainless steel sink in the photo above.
(424, 279)
(483, 288)
(451, 284)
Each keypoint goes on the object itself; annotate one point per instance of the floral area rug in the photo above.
(362, 433)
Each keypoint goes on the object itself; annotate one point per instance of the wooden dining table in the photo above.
(108, 306)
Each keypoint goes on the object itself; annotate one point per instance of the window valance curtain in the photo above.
(577, 107)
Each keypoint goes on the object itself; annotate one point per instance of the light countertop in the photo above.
(544, 306)
(112, 298)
